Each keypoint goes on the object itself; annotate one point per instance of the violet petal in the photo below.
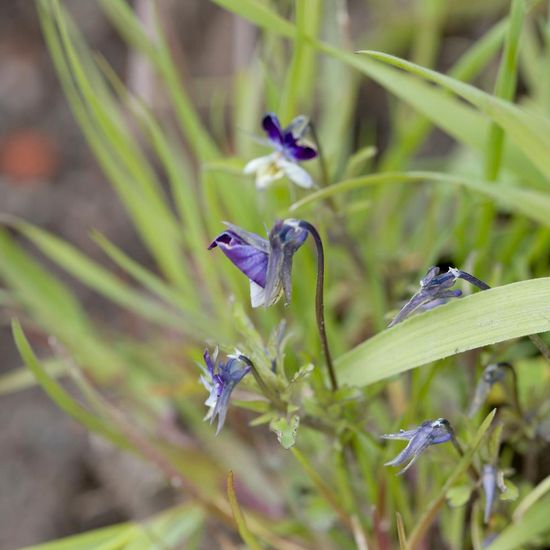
(272, 128)
(247, 258)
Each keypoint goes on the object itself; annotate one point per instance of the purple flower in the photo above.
(220, 380)
(266, 262)
(288, 151)
(431, 432)
(435, 290)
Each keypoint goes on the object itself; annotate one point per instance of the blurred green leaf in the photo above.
(259, 14)
(165, 530)
(459, 495)
(22, 379)
(238, 516)
(529, 131)
(532, 204)
(59, 395)
(526, 529)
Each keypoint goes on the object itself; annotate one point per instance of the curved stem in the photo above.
(319, 302)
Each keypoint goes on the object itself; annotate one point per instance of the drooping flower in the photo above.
(491, 375)
(288, 152)
(266, 262)
(431, 432)
(220, 380)
(435, 290)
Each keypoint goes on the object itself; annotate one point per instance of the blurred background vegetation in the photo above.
(124, 130)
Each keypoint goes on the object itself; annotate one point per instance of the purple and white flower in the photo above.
(220, 380)
(266, 262)
(431, 432)
(288, 152)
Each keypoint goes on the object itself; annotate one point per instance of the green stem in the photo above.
(319, 300)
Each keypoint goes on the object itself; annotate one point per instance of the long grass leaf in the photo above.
(58, 394)
(482, 319)
(512, 198)
(530, 132)
(245, 533)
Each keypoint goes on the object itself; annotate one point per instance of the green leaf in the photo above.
(459, 495)
(457, 119)
(101, 280)
(245, 533)
(532, 524)
(505, 86)
(286, 430)
(58, 394)
(22, 378)
(298, 88)
(532, 204)
(482, 319)
(259, 14)
(53, 306)
(529, 131)
(536, 494)
(167, 529)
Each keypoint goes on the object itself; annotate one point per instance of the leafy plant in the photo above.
(378, 220)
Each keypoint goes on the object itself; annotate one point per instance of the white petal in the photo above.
(257, 294)
(255, 165)
(265, 179)
(296, 174)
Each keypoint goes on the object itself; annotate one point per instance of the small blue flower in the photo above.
(266, 262)
(288, 151)
(435, 290)
(431, 432)
(220, 380)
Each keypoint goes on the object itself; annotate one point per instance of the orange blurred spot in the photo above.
(28, 156)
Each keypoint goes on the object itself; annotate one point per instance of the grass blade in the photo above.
(245, 533)
(482, 319)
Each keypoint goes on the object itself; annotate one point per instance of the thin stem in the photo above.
(319, 301)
